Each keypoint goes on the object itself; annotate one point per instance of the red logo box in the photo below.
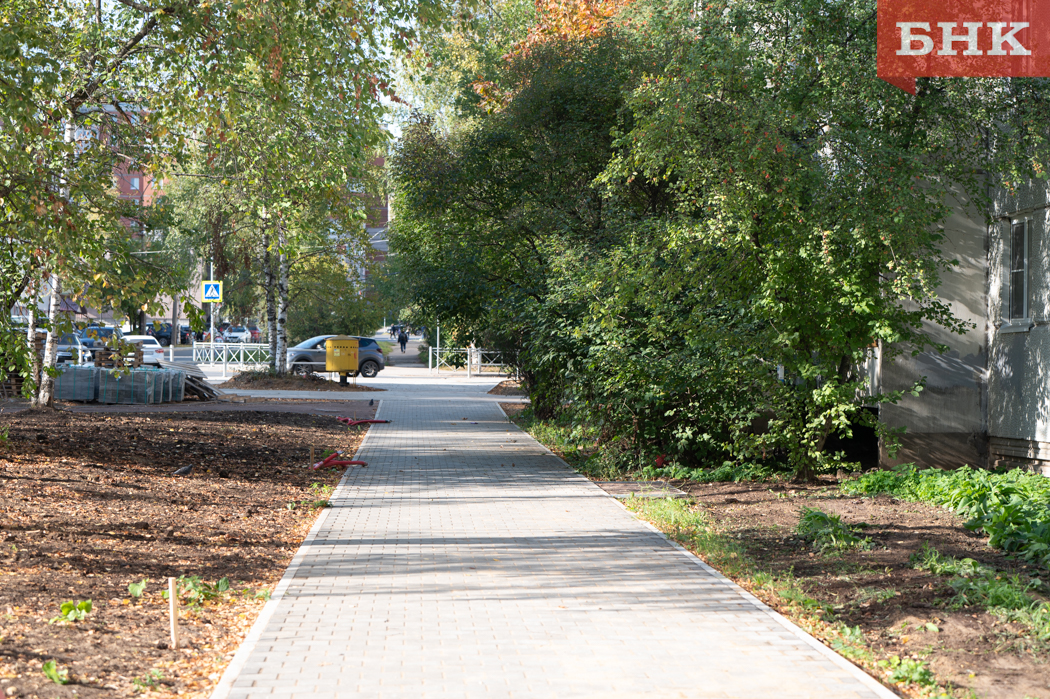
(962, 39)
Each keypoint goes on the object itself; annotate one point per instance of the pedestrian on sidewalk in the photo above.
(403, 339)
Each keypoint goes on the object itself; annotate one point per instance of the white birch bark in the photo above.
(47, 383)
(34, 358)
(271, 306)
(282, 303)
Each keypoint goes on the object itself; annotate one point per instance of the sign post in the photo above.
(211, 292)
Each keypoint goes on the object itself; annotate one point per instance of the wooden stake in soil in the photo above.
(312, 459)
(173, 612)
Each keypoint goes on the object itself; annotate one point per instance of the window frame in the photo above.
(1013, 314)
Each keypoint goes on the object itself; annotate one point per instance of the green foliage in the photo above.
(1012, 508)
(909, 671)
(692, 236)
(729, 471)
(149, 681)
(1008, 597)
(325, 298)
(194, 592)
(136, 589)
(73, 611)
(827, 532)
(54, 673)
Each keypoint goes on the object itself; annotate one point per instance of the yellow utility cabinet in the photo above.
(341, 354)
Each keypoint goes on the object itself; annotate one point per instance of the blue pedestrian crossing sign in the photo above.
(211, 292)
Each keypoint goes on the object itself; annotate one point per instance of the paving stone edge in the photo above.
(222, 689)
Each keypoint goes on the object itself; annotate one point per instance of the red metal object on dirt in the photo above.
(330, 462)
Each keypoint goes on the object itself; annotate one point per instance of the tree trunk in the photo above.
(271, 306)
(47, 383)
(282, 304)
(34, 358)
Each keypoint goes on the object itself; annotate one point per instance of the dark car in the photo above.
(161, 331)
(309, 355)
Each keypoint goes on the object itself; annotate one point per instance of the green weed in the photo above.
(149, 681)
(73, 611)
(136, 589)
(1008, 597)
(1012, 508)
(827, 532)
(54, 673)
(729, 471)
(194, 592)
(909, 670)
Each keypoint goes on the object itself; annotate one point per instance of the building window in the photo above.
(1019, 270)
(134, 184)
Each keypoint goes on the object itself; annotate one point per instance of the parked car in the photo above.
(309, 355)
(237, 333)
(152, 352)
(256, 333)
(73, 348)
(186, 336)
(100, 334)
(161, 331)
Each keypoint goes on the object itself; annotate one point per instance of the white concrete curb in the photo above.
(225, 685)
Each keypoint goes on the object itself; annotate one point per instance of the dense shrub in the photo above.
(1012, 508)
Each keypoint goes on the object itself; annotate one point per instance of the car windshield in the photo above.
(237, 329)
(68, 339)
(312, 342)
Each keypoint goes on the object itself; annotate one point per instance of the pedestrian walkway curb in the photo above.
(222, 689)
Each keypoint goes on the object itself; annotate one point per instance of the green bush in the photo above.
(1012, 508)
(827, 532)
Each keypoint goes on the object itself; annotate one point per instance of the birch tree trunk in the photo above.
(34, 358)
(282, 311)
(281, 324)
(271, 306)
(47, 383)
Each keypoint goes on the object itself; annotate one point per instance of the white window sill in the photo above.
(1017, 325)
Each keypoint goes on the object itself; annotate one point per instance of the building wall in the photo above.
(1019, 366)
(946, 423)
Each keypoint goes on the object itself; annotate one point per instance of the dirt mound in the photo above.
(262, 381)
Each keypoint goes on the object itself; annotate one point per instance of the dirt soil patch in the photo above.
(310, 382)
(508, 387)
(879, 590)
(88, 504)
(513, 409)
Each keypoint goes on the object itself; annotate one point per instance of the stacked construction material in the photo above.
(76, 383)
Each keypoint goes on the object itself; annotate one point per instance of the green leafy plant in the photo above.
(827, 532)
(1008, 597)
(194, 592)
(909, 670)
(1012, 508)
(54, 673)
(136, 589)
(73, 611)
(149, 681)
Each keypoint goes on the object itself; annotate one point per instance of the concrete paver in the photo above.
(468, 561)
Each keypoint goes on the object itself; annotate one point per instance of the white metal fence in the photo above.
(473, 361)
(235, 354)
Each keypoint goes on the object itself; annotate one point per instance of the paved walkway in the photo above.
(467, 561)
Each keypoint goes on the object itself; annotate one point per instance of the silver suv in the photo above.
(309, 355)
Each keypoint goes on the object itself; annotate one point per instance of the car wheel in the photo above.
(301, 369)
(369, 369)
(164, 342)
